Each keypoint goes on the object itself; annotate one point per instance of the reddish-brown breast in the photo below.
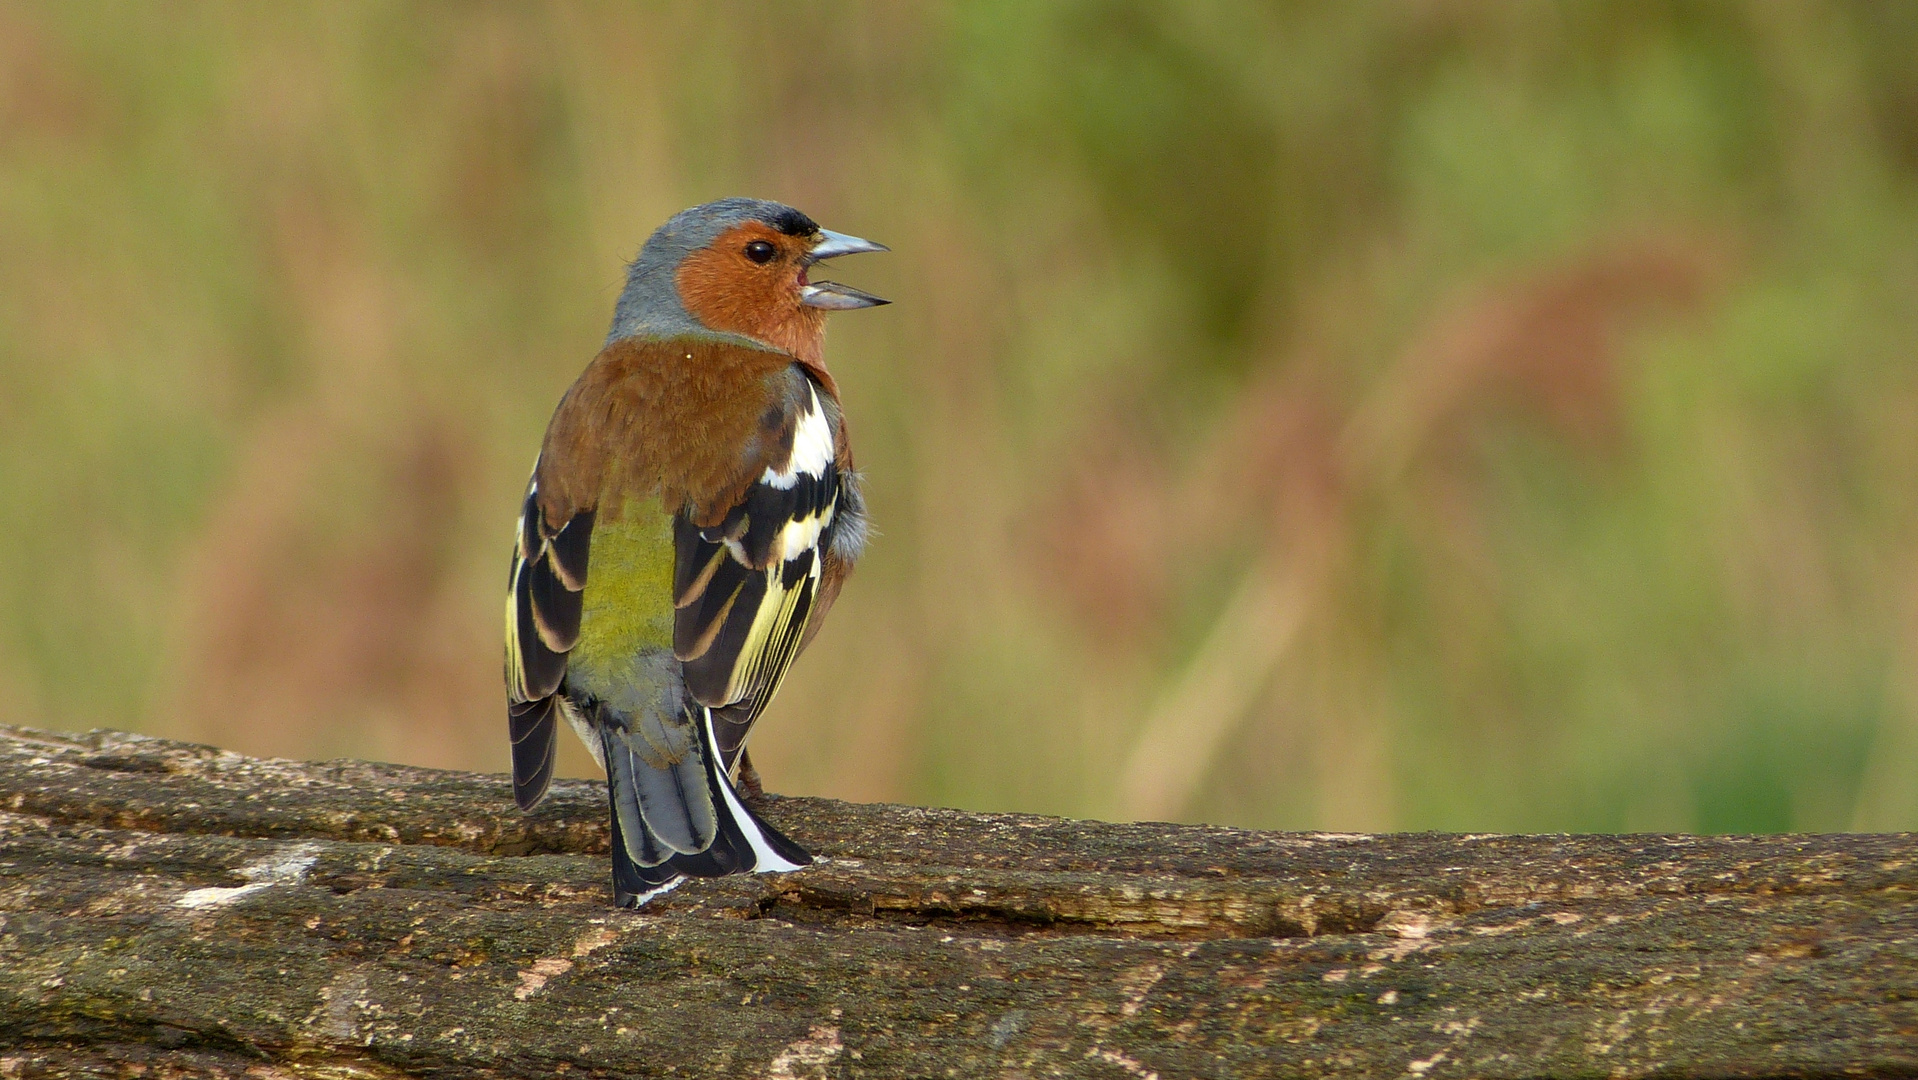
(696, 422)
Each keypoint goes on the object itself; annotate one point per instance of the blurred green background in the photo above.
(1486, 416)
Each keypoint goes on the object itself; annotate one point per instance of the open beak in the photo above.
(831, 295)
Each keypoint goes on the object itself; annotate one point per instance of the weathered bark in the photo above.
(174, 907)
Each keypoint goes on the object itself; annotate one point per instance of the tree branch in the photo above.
(173, 906)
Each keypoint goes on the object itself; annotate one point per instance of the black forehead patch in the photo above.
(792, 222)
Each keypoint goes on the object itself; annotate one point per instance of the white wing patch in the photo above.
(812, 453)
(812, 447)
(799, 537)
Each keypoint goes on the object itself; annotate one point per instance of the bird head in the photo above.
(738, 267)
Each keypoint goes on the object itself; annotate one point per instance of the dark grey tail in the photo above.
(683, 820)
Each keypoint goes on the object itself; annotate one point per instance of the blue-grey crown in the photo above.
(650, 302)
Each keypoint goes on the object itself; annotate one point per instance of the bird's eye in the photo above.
(760, 251)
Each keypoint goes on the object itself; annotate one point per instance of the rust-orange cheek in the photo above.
(726, 292)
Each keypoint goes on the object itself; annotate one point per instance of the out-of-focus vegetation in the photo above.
(1383, 415)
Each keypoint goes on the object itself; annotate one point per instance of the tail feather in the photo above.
(673, 801)
(634, 884)
(642, 842)
(534, 734)
(644, 865)
(768, 849)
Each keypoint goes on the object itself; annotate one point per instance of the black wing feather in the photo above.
(571, 549)
(694, 561)
(556, 608)
(710, 670)
(545, 599)
(535, 741)
(731, 589)
(732, 723)
(541, 668)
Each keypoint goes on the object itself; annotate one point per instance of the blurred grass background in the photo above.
(1482, 416)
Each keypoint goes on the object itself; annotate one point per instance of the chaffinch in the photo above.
(692, 516)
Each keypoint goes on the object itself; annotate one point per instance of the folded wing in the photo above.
(745, 589)
(544, 600)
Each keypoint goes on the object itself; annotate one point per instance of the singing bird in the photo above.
(690, 519)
